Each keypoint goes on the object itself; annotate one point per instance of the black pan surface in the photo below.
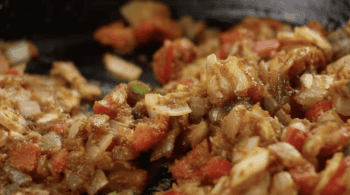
(62, 30)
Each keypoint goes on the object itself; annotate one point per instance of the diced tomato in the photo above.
(335, 185)
(163, 62)
(187, 167)
(235, 34)
(173, 193)
(59, 128)
(305, 176)
(224, 50)
(13, 71)
(101, 107)
(336, 141)
(145, 32)
(296, 137)
(317, 110)
(24, 156)
(256, 93)
(166, 29)
(116, 35)
(215, 168)
(265, 47)
(59, 161)
(149, 133)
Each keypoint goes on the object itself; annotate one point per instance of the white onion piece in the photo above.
(154, 103)
(18, 52)
(283, 182)
(166, 147)
(342, 106)
(198, 133)
(13, 135)
(120, 68)
(74, 129)
(17, 176)
(95, 150)
(199, 107)
(99, 181)
(11, 120)
(3, 137)
(47, 118)
(28, 108)
(249, 167)
(73, 180)
(51, 141)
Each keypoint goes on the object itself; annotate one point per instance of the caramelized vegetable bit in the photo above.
(149, 133)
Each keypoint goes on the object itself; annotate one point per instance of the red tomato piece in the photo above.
(317, 110)
(336, 141)
(148, 134)
(235, 34)
(188, 166)
(59, 128)
(59, 161)
(101, 107)
(215, 168)
(264, 47)
(145, 32)
(305, 176)
(24, 157)
(335, 185)
(13, 71)
(163, 62)
(296, 138)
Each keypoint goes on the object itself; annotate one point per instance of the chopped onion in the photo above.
(283, 182)
(3, 137)
(125, 153)
(217, 114)
(99, 181)
(18, 52)
(17, 176)
(157, 103)
(95, 150)
(199, 107)
(74, 129)
(51, 141)
(73, 180)
(11, 120)
(249, 167)
(166, 147)
(120, 68)
(342, 106)
(13, 135)
(28, 108)
(289, 155)
(99, 119)
(283, 117)
(90, 91)
(231, 123)
(198, 133)
(47, 118)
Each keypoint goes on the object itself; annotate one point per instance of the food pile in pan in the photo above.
(261, 108)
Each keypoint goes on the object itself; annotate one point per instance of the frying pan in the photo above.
(62, 30)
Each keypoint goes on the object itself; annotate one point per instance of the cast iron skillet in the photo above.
(62, 30)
